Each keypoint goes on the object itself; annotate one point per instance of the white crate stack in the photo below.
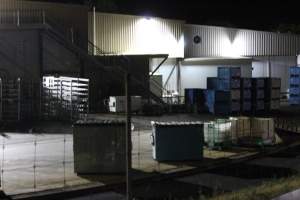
(65, 97)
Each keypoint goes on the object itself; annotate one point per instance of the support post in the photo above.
(41, 73)
(128, 137)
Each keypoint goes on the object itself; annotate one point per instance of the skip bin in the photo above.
(177, 141)
(99, 147)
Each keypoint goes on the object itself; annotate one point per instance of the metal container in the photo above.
(240, 127)
(99, 147)
(176, 141)
(118, 104)
(217, 133)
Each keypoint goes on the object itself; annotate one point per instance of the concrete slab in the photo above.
(37, 162)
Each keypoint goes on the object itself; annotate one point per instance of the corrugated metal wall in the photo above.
(230, 42)
(125, 34)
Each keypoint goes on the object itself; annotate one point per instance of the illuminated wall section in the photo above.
(216, 41)
(125, 34)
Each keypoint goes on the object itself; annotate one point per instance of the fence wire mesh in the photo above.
(37, 161)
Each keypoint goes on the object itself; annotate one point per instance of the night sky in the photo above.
(253, 14)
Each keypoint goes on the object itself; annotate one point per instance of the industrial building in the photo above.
(52, 39)
(165, 56)
(66, 64)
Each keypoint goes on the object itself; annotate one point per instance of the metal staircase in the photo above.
(120, 67)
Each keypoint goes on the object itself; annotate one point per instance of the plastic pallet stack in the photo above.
(228, 80)
(294, 86)
(246, 95)
(220, 102)
(258, 94)
(272, 93)
(194, 99)
(65, 97)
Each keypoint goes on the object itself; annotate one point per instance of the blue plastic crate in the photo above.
(213, 96)
(258, 82)
(295, 81)
(212, 83)
(246, 94)
(246, 106)
(229, 72)
(194, 96)
(259, 105)
(259, 94)
(226, 109)
(246, 83)
(215, 83)
(295, 90)
(294, 100)
(294, 71)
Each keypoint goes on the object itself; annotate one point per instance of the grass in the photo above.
(266, 191)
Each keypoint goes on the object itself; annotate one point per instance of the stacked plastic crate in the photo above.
(226, 90)
(194, 99)
(258, 95)
(294, 86)
(272, 93)
(65, 97)
(246, 95)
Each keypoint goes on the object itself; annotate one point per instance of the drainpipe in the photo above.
(269, 67)
(178, 62)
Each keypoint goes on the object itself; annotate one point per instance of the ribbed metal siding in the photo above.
(122, 34)
(219, 41)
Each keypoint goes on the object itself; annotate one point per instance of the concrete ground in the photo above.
(36, 162)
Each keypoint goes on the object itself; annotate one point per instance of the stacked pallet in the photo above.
(195, 100)
(272, 93)
(294, 86)
(258, 94)
(228, 81)
(246, 95)
(65, 97)
(220, 102)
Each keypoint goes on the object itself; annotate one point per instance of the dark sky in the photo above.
(254, 14)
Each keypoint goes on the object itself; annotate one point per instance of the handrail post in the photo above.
(44, 17)
(18, 18)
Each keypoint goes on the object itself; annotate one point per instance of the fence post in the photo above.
(18, 18)
(128, 137)
(44, 17)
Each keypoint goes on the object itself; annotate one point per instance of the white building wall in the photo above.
(231, 42)
(194, 74)
(166, 70)
(136, 35)
(279, 68)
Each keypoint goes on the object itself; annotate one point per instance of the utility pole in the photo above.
(128, 137)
